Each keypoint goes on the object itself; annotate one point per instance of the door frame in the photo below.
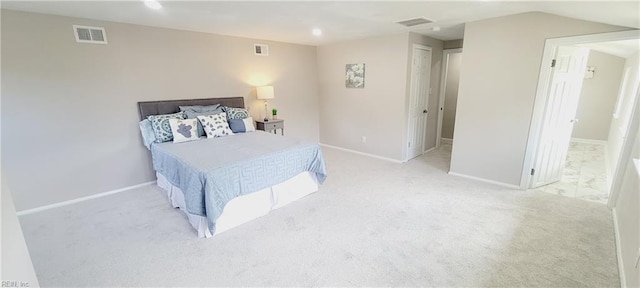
(542, 97)
(443, 83)
(408, 114)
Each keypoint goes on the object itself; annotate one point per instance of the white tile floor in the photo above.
(584, 176)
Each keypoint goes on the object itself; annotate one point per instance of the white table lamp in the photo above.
(265, 93)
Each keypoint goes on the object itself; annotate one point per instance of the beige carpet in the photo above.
(373, 223)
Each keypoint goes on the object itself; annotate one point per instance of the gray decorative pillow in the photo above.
(194, 115)
(184, 130)
(241, 125)
(161, 126)
(201, 108)
(236, 113)
(215, 125)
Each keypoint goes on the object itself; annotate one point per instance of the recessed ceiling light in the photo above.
(316, 32)
(153, 4)
(436, 29)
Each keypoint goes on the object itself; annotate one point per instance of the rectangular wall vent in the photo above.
(261, 49)
(414, 22)
(88, 34)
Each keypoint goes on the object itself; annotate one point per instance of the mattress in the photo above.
(210, 173)
(244, 208)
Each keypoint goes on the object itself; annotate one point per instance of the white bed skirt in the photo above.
(247, 207)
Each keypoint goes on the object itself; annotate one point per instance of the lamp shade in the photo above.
(264, 92)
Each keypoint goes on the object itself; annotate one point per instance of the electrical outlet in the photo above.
(364, 139)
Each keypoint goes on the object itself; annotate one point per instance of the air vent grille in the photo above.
(261, 49)
(88, 34)
(414, 22)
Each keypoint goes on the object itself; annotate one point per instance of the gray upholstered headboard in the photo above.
(171, 106)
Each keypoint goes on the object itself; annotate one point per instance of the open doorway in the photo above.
(586, 174)
(574, 146)
(450, 79)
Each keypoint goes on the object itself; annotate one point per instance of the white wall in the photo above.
(16, 262)
(617, 129)
(451, 94)
(627, 212)
(69, 114)
(598, 97)
(498, 83)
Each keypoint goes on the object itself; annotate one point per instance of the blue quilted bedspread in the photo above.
(211, 172)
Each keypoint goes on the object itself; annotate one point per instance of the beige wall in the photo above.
(375, 111)
(453, 44)
(617, 129)
(436, 71)
(451, 94)
(379, 110)
(69, 115)
(497, 90)
(598, 97)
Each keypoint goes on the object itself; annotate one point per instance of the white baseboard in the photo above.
(446, 140)
(607, 166)
(361, 153)
(589, 141)
(429, 150)
(73, 201)
(623, 278)
(485, 180)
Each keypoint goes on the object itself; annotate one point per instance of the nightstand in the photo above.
(271, 125)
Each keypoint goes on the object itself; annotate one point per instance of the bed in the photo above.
(221, 183)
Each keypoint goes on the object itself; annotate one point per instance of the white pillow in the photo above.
(215, 125)
(184, 129)
(248, 124)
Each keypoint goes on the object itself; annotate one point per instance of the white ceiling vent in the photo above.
(261, 49)
(88, 34)
(414, 22)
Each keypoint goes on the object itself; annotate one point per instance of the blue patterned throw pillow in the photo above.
(148, 136)
(236, 113)
(184, 130)
(161, 126)
(215, 125)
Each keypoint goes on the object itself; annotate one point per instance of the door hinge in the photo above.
(533, 171)
(409, 144)
(553, 63)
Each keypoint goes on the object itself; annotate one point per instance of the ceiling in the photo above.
(624, 48)
(293, 21)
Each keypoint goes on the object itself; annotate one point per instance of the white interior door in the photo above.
(420, 82)
(560, 110)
